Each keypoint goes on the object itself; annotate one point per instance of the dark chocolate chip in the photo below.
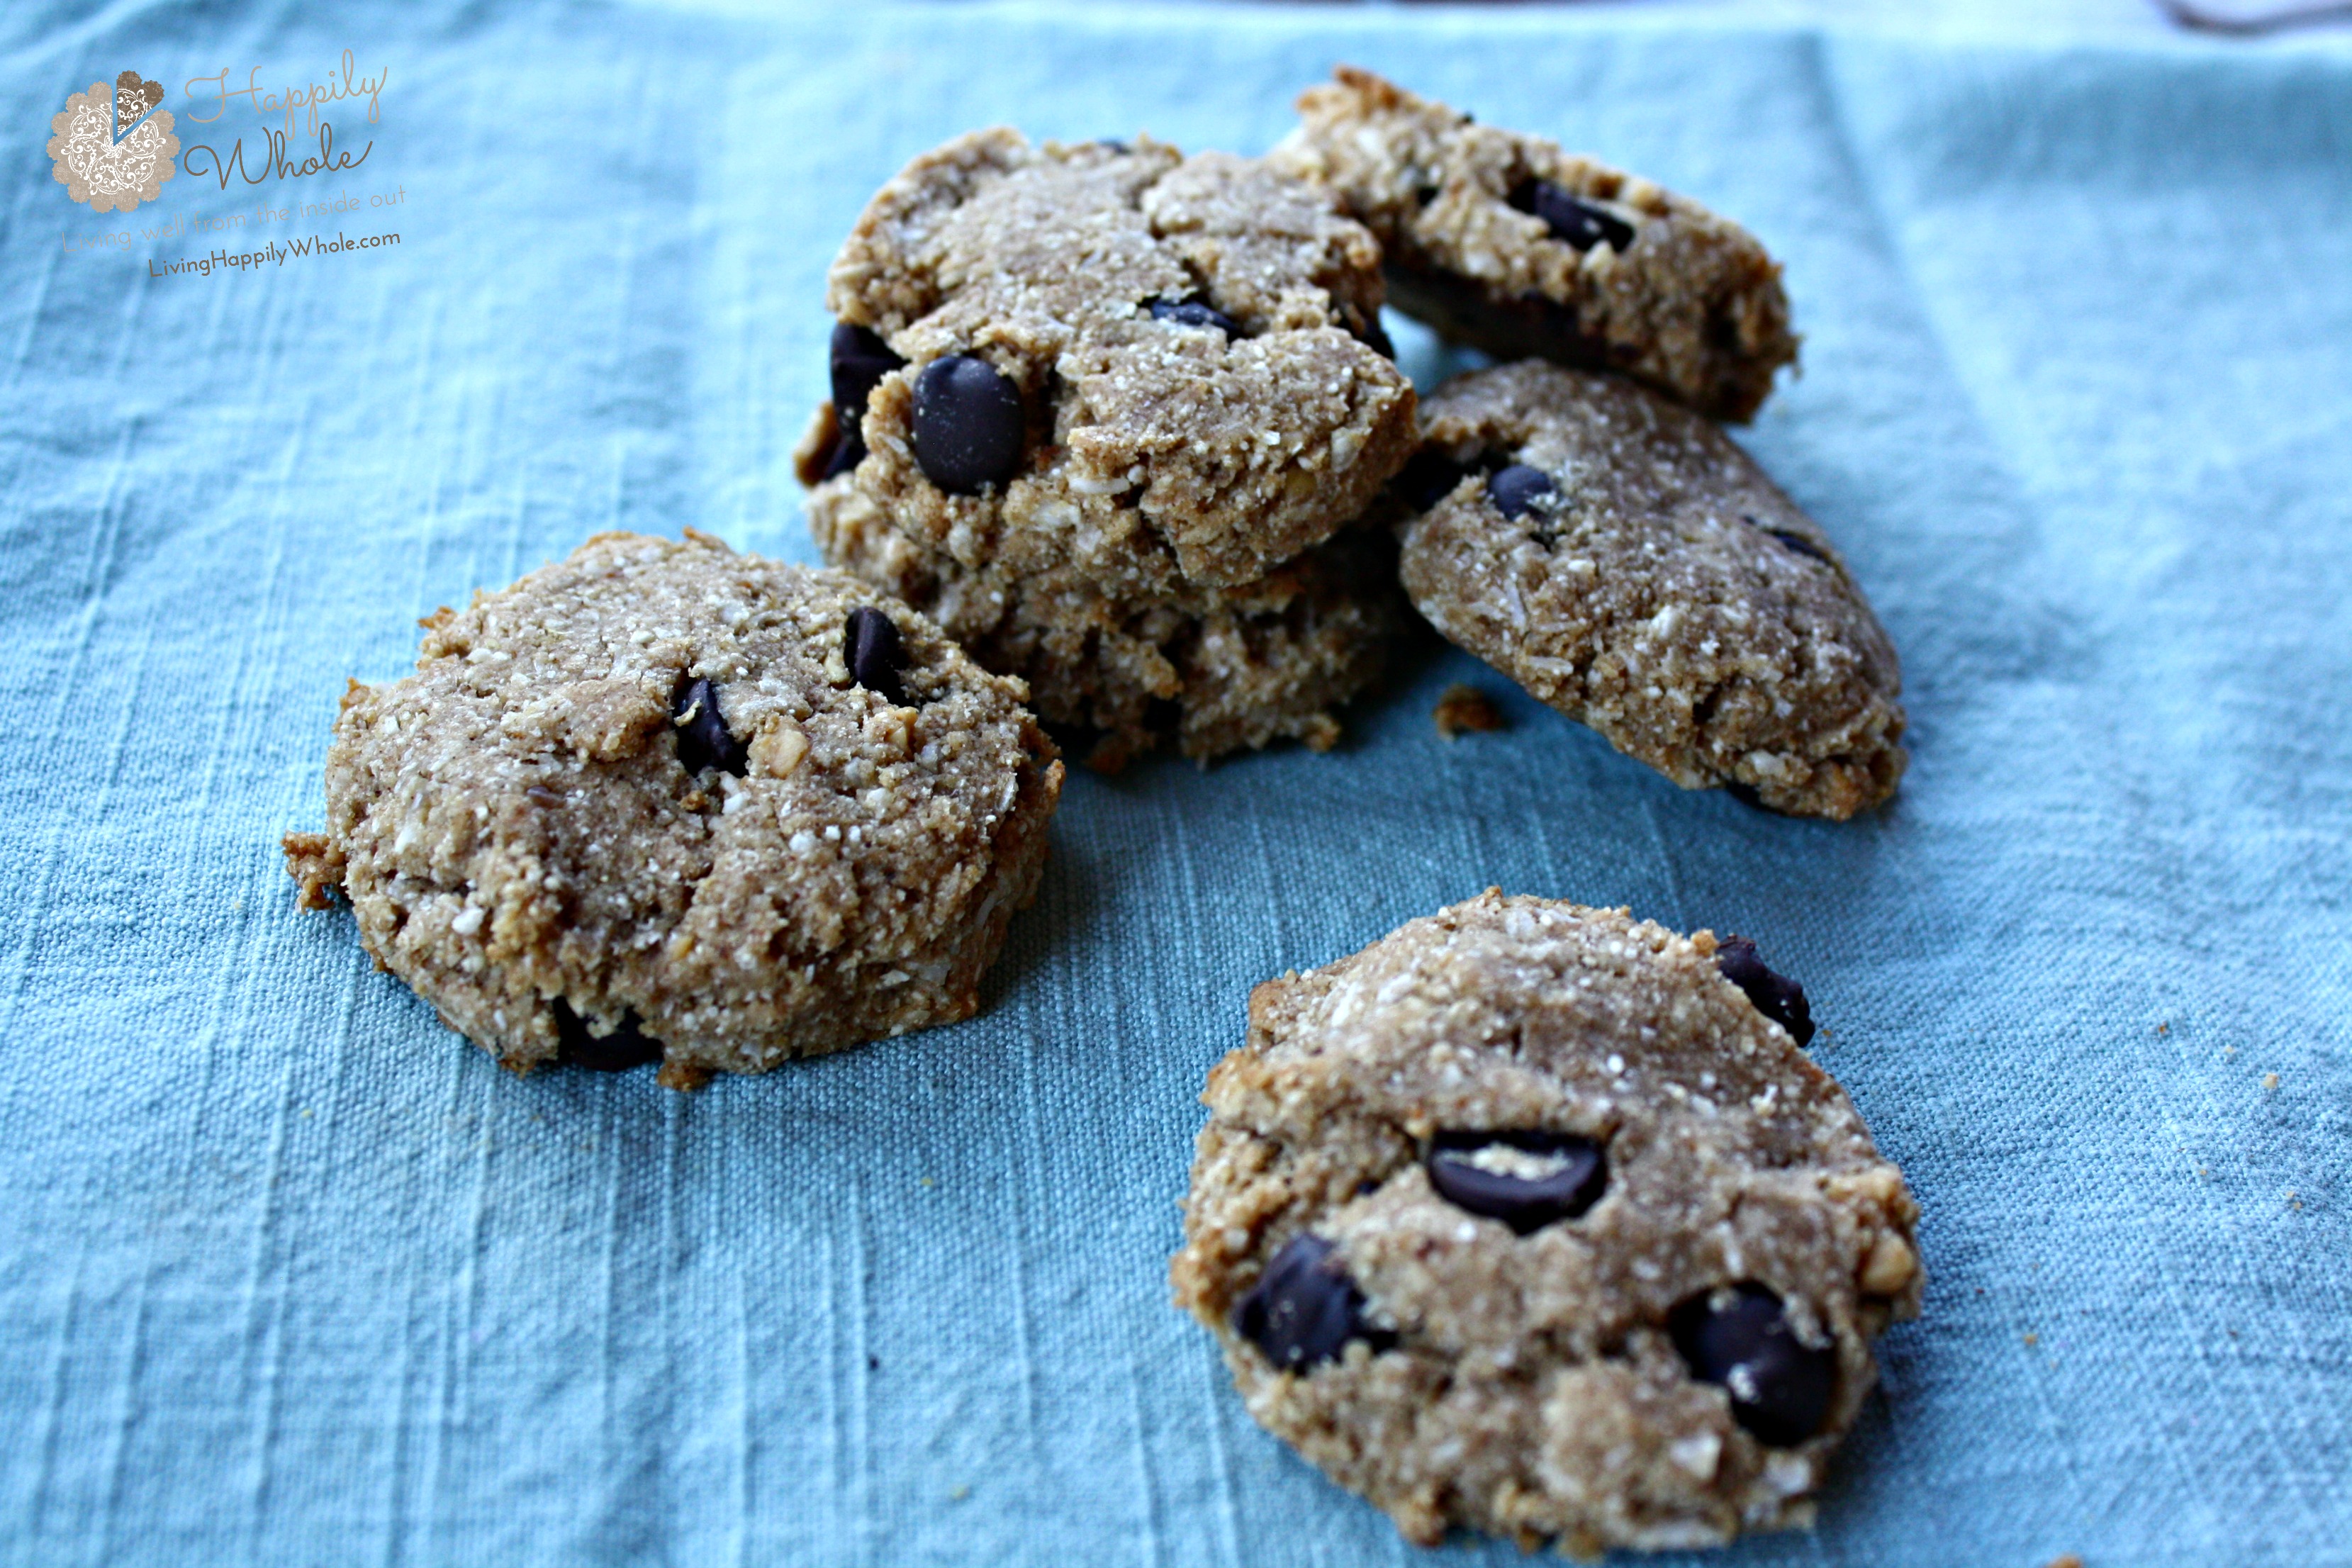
(1519, 487)
(1795, 540)
(1304, 1309)
(1424, 194)
(1112, 143)
(1571, 220)
(870, 647)
(626, 1048)
(1776, 996)
(1375, 337)
(1739, 1339)
(1524, 1203)
(859, 359)
(703, 738)
(1194, 313)
(1429, 477)
(969, 425)
(848, 451)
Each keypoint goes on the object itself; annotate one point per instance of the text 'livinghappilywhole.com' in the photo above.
(274, 253)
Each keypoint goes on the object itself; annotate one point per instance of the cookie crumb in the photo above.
(2163, 1028)
(957, 1494)
(2068, 1560)
(2034, 1338)
(2269, 1080)
(1466, 708)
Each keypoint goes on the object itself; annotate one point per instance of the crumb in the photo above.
(926, 1182)
(957, 1494)
(1465, 708)
(2163, 1028)
(2034, 1338)
(2292, 1200)
(2228, 1050)
(2068, 1560)
(2269, 1080)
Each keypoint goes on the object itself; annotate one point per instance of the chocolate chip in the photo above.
(1375, 337)
(1571, 220)
(1111, 142)
(969, 425)
(1776, 996)
(1740, 1338)
(1304, 1309)
(859, 360)
(870, 648)
(1517, 488)
(703, 738)
(1194, 313)
(626, 1048)
(1429, 477)
(1795, 540)
(1528, 1202)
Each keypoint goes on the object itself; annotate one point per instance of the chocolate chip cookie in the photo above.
(1533, 1219)
(1507, 243)
(660, 800)
(1622, 560)
(1110, 339)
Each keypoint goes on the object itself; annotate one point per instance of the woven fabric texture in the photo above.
(290, 1274)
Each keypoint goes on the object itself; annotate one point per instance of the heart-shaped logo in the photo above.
(133, 99)
(114, 149)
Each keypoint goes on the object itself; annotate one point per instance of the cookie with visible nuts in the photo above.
(1527, 1220)
(1119, 339)
(1110, 414)
(1618, 556)
(1507, 243)
(660, 800)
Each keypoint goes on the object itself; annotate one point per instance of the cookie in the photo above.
(1619, 557)
(1109, 339)
(1528, 1220)
(1113, 640)
(1507, 243)
(662, 801)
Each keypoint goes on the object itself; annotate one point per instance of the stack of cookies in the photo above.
(1115, 417)
(1125, 423)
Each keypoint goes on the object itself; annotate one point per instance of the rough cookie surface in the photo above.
(1239, 449)
(518, 833)
(1109, 635)
(1531, 1384)
(1686, 301)
(1665, 592)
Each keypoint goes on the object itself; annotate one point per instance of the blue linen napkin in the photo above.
(290, 1274)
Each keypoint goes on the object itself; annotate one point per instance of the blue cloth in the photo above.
(290, 1274)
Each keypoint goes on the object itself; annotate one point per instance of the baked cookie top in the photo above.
(1527, 1219)
(1508, 242)
(1623, 560)
(1123, 333)
(737, 809)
